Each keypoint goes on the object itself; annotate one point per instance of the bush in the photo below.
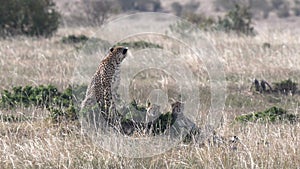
(260, 8)
(74, 39)
(139, 45)
(237, 20)
(266, 45)
(274, 114)
(28, 17)
(60, 104)
(285, 87)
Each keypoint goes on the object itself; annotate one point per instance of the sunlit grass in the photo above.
(38, 143)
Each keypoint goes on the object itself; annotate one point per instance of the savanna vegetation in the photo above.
(40, 49)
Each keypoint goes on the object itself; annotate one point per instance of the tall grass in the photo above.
(41, 144)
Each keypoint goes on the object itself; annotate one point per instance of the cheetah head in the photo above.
(119, 53)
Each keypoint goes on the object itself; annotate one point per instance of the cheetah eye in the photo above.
(111, 49)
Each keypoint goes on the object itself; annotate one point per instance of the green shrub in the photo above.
(274, 114)
(266, 45)
(237, 20)
(60, 104)
(28, 17)
(70, 39)
(139, 45)
(285, 87)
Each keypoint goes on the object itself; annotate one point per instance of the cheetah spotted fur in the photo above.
(105, 82)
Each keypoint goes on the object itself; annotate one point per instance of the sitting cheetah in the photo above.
(104, 84)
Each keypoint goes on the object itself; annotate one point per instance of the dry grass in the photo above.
(40, 144)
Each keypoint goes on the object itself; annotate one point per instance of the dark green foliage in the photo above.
(74, 39)
(139, 45)
(274, 114)
(266, 45)
(285, 87)
(60, 104)
(91, 42)
(237, 20)
(42, 96)
(28, 17)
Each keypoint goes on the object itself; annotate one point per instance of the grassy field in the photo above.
(38, 143)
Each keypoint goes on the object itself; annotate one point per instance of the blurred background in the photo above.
(31, 17)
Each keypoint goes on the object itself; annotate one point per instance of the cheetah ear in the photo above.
(111, 49)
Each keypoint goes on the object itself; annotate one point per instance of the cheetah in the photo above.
(102, 90)
(183, 125)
